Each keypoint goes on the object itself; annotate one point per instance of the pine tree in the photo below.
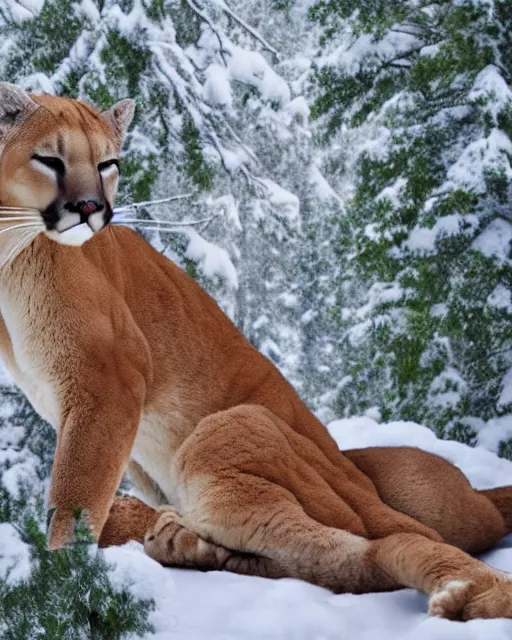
(420, 92)
(43, 594)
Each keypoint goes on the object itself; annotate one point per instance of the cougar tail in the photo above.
(502, 500)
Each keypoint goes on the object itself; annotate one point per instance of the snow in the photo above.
(380, 293)
(19, 12)
(431, 50)
(352, 55)
(231, 159)
(217, 88)
(495, 240)
(191, 605)
(299, 107)
(308, 316)
(500, 298)
(393, 192)
(423, 240)
(213, 260)
(89, 9)
(14, 555)
(490, 84)
(446, 388)
(229, 206)
(495, 430)
(19, 472)
(374, 413)
(439, 310)
(468, 172)
(323, 189)
(287, 202)
(250, 67)
(288, 300)
(506, 390)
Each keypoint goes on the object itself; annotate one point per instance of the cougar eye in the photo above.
(108, 164)
(55, 164)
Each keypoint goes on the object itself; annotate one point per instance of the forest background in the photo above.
(346, 172)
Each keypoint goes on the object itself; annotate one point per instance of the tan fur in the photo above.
(65, 128)
(131, 360)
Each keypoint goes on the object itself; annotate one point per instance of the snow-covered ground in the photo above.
(222, 606)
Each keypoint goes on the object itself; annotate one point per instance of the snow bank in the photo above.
(221, 606)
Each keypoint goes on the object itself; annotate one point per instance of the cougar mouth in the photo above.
(61, 219)
(74, 225)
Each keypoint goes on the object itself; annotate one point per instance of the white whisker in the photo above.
(20, 218)
(165, 229)
(26, 216)
(19, 226)
(164, 223)
(148, 203)
(18, 209)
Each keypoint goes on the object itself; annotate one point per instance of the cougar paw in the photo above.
(170, 543)
(487, 596)
(67, 527)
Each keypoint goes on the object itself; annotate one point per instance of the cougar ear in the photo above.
(15, 106)
(120, 116)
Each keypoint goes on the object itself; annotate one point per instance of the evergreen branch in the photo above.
(214, 138)
(206, 19)
(406, 64)
(251, 178)
(237, 139)
(404, 31)
(27, 7)
(244, 25)
(402, 56)
(423, 28)
(504, 214)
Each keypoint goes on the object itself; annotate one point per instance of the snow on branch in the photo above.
(215, 31)
(244, 25)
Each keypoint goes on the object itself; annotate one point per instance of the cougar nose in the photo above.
(87, 207)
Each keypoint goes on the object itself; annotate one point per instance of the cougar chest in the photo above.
(26, 357)
(154, 449)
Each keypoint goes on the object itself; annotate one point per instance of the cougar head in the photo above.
(60, 156)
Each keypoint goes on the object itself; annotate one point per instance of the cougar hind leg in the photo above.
(243, 491)
(168, 541)
(171, 543)
(434, 492)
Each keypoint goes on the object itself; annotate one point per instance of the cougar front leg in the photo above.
(93, 446)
